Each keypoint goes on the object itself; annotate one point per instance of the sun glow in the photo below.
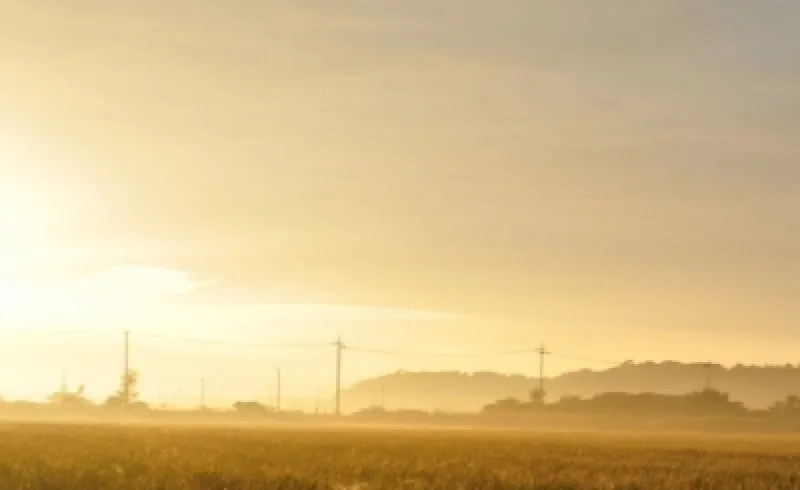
(33, 218)
(25, 223)
(111, 295)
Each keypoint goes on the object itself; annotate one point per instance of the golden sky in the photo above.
(455, 174)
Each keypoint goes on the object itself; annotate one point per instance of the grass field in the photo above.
(37, 457)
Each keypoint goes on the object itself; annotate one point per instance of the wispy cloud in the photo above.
(115, 293)
(142, 297)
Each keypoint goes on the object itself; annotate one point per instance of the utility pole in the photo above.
(126, 378)
(202, 394)
(339, 347)
(542, 351)
(278, 390)
(709, 366)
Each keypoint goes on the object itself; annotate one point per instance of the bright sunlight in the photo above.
(25, 220)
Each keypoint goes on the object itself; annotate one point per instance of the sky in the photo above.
(619, 180)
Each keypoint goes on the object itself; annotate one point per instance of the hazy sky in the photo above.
(620, 179)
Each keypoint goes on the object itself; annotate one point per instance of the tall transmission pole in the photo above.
(278, 390)
(339, 347)
(542, 351)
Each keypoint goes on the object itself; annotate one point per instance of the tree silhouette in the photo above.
(126, 394)
(790, 405)
(537, 396)
(70, 398)
(251, 407)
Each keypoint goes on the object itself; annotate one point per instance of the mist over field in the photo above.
(356, 245)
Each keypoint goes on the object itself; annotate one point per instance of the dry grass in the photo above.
(88, 458)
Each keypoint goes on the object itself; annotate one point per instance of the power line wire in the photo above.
(410, 353)
(198, 340)
(90, 333)
(586, 359)
(76, 333)
(299, 345)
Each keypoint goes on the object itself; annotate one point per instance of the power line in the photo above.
(586, 359)
(198, 340)
(301, 345)
(128, 380)
(76, 333)
(157, 336)
(410, 353)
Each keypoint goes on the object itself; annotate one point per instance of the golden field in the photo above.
(37, 457)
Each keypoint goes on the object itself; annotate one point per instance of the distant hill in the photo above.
(755, 386)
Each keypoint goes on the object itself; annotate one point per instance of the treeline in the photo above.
(757, 386)
(706, 402)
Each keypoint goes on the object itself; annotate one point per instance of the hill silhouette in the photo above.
(757, 387)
